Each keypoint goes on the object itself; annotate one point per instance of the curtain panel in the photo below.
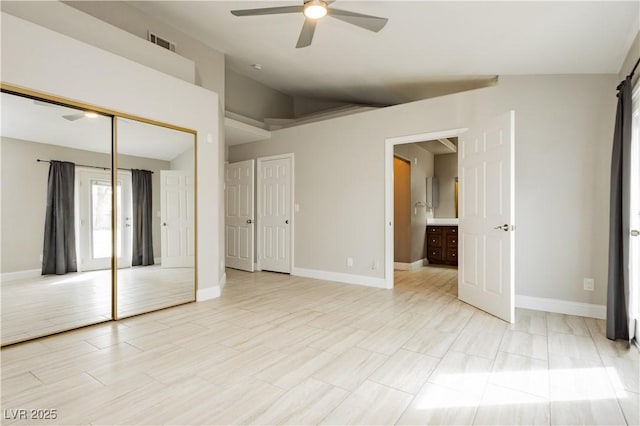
(619, 217)
(59, 248)
(142, 217)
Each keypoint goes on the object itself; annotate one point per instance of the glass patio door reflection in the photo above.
(95, 219)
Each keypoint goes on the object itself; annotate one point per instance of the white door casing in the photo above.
(275, 221)
(177, 219)
(239, 215)
(486, 251)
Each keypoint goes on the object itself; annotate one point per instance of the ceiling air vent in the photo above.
(156, 39)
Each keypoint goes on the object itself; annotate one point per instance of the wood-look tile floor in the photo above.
(33, 307)
(279, 349)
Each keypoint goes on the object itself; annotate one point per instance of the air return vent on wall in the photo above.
(162, 42)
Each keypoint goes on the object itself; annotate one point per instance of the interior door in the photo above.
(486, 222)
(177, 219)
(239, 215)
(274, 214)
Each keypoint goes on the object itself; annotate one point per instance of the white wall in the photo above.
(422, 167)
(183, 161)
(40, 59)
(445, 168)
(563, 138)
(630, 60)
(66, 20)
(209, 63)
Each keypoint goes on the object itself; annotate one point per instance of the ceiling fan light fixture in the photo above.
(315, 9)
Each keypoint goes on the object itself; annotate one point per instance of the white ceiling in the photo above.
(424, 46)
(22, 118)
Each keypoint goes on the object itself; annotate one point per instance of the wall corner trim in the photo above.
(561, 306)
(340, 277)
(208, 293)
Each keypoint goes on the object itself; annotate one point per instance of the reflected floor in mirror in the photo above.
(33, 307)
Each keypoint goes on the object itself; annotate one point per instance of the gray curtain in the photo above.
(142, 218)
(59, 249)
(618, 289)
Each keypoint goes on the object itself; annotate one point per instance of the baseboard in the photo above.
(19, 275)
(207, 293)
(223, 282)
(256, 267)
(339, 277)
(561, 306)
(157, 261)
(401, 266)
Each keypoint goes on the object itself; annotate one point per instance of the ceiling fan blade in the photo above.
(268, 11)
(368, 22)
(73, 117)
(306, 35)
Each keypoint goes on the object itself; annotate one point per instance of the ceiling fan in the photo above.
(313, 10)
(70, 117)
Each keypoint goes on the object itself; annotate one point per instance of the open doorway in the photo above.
(425, 215)
(486, 275)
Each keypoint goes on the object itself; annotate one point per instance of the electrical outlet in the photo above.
(349, 262)
(588, 284)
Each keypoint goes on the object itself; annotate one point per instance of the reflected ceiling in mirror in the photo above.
(43, 122)
(149, 141)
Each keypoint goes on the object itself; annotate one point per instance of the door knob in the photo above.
(164, 223)
(286, 221)
(249, 221)
(635, 232)
(504, 227)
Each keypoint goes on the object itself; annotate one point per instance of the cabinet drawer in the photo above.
(434, 254)
(434, 229)
(434, 240)
(452, 240)
(452, 255)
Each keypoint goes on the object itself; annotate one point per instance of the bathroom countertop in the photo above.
(444, 221)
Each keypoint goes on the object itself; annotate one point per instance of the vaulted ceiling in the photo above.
(426, 47)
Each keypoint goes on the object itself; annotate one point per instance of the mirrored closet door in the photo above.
(158, 217)
(71, 213)
(56, 217)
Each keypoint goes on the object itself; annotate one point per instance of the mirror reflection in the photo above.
(56, 218)
(156, 217)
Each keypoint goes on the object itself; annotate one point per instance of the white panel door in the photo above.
(274, 214)
(177, 233)
(239, 214)
(486, 175)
